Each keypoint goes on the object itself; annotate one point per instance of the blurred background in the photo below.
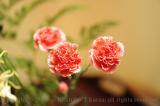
(137, 26)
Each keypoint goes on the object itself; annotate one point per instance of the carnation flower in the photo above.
(47, 37)
(63, 87)
(64, 59)
(105, 53)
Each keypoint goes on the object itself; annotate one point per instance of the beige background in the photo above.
(138, 29)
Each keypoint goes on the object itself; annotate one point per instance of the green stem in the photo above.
(16, 103)
(9, 63)
(73, 82)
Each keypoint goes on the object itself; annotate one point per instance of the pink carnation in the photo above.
(64, 59)
(46, 38)
(105, 53)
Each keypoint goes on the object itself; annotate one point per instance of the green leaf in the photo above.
(50, 83)
(3, 5)
(8, 34)
(24, 11)
(27, 64)
(89, 33)
(100, 28)
(30, 43)
(1, 61)
(83, 32)
(43, 97)
(51, 20)
(8, 65)
(1, 16)
(70, 39)
(32, 95)
(13, 3)
(9, 4)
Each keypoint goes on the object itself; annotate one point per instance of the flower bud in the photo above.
(62, 87)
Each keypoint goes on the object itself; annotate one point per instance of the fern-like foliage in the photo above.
(9, 22)
(42, 88)
(8, 4)
(24, 11)
(6, 65)
(31, 94)
(87, 34)
(51, 20)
